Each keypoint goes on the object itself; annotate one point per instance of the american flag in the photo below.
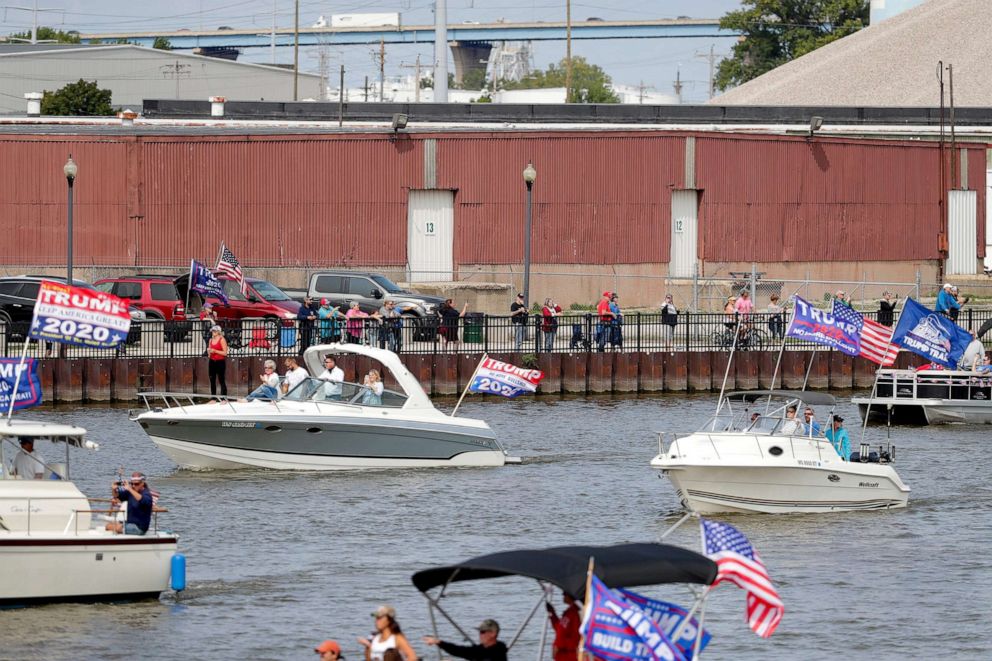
(228, 265)
(738, 563)
(875, 344)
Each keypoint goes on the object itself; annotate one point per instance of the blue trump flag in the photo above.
(670, 617)
(28, 392)
(616, 629)
(203, 281)
(840, 332)
(931, 335)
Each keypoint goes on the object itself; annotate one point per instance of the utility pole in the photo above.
(382, 69)
(366, 98)
(678, 85)
(712, 60)
(296, 53)
(341, 98)
(568, 51)
(440, 51)
(272, 44)
(416, 78)
(640, 96)
(323, 69)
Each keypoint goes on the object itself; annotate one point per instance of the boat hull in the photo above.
(86, 567)
(320, 443)
(722, 489)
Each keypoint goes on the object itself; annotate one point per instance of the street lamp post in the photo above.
(70, 169)
(530, 174)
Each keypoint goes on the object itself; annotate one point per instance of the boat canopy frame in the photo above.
(566, 567)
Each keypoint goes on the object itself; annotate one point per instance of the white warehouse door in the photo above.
(685, 220)
(962, 232)
(430, 235)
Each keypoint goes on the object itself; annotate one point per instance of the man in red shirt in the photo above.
(566, 645)
(606, 317)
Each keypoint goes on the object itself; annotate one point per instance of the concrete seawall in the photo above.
(120, 380)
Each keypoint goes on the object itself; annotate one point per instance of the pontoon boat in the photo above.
(929, 397)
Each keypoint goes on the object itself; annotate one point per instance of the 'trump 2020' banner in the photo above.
(76, 315)
(822, 327)
(494, 377)
(28, 386)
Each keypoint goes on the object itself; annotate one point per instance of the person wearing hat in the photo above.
(838, 437)
(518, 317)
(306, 317)
(329, 650)
(139, 505)
(605, 324)
(330, 327)
(217, 365)
(947, 304)
(28, 465)
(488, 649)
(388, 640)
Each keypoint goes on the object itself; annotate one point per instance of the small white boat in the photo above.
(307, 430)
(773, 464)
(53, 548)
(929, 397)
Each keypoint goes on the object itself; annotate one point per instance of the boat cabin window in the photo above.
(315, 390)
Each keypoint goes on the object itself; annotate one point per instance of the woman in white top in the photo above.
(372, 389)
(270, 383)
(388, 636)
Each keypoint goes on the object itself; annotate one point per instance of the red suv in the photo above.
(157, 296)
(264, 300)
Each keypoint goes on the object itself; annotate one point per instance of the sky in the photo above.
(653, 63)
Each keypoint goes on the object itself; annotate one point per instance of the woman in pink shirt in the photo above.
(355, 324)
(744, 305)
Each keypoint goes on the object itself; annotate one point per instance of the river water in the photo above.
(280, 561)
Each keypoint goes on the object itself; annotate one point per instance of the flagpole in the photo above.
(874, 393)
(699, 627)
(544, 629)
(700, 600)
(469, 384)
(587, 606)
(726, 372)
(189, 287)
(219, 253)
(17, 378)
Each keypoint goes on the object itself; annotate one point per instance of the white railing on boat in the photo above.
(7, 503)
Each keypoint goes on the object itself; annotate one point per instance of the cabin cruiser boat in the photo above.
(305, 430)
(929, 397)
(739, 462)
(53, 548)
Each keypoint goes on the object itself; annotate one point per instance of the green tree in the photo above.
(777, 31)
(474, 79)
(590, 84)
(79, 99)
(162, 43)
(50, 34)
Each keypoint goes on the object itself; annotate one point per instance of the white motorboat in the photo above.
(740, 462)
(53, 548)
(309, 430)
(929, 397)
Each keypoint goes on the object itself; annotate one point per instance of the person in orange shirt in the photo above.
(605, 323)
(566, 645)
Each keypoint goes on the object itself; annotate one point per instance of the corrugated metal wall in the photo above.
(600, 197)
(819, 200)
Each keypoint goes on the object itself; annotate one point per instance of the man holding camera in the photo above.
(139, 505)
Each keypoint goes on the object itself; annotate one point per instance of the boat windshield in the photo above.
(317, 390)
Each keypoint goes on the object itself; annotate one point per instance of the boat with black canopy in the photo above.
(567, 567)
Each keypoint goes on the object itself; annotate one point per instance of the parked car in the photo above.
(370, 290)
(264, 300)
(157, 296)
(19, 293)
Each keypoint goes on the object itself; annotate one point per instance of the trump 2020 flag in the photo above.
(669, 617)
(28, 385)
(738, 562)
(494, 377)
(931, 335)
(76, 315)
(815, 325)
(616, 629)
(202, 281)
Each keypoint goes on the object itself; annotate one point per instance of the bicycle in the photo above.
(749, 339)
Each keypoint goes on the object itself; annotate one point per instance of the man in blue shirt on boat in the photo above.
(139, 505)
(837, 436)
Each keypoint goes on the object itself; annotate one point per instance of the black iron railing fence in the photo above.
(473, 333)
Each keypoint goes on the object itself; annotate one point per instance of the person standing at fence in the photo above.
(842, 298)
(449, 321)
(518, 317)
(390, 332)
(776, 322)
(616, 328)
(217, 363)
(730, 314)
(355, 324)
(330, 330)
(956, 297)
(605, 323)
(549, 323)
(306, 316)
(669, 320)
(886, 309)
